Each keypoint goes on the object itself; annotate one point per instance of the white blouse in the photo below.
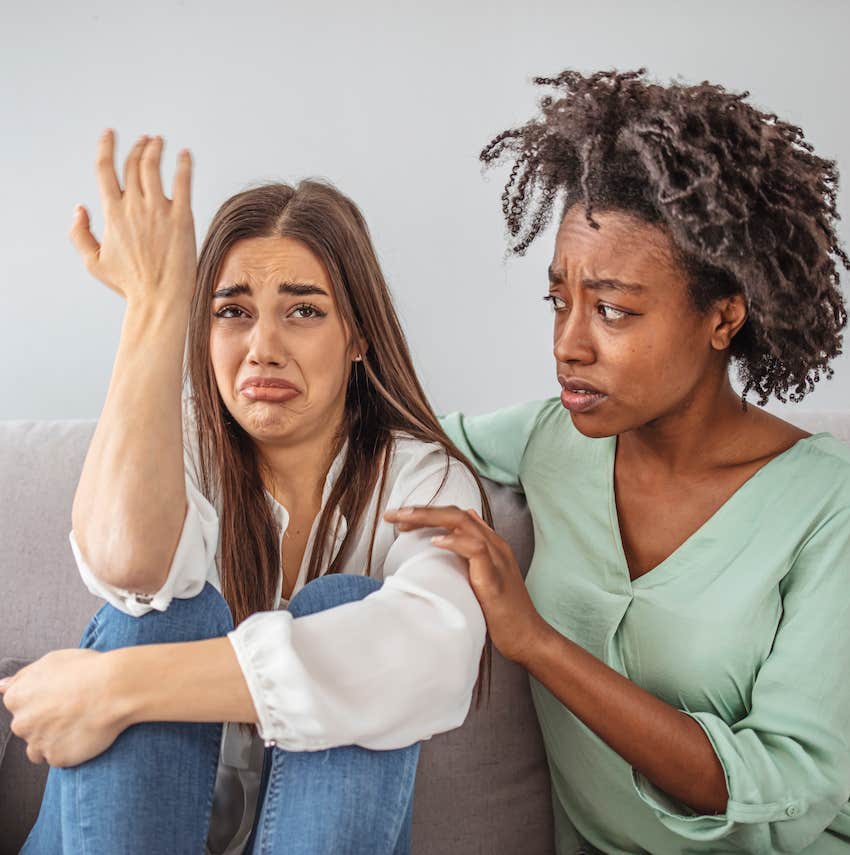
(382, 672)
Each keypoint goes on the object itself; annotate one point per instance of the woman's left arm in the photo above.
(772, 781)
(71, 705)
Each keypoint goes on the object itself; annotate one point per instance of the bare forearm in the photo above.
(130, 502)
(659, 741)
(187, 681)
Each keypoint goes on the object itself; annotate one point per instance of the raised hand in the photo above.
(148, 252)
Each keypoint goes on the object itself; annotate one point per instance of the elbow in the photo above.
(119, 570)
(712, 798)
(141, 581)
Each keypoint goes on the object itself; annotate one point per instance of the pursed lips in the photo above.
(270, 389)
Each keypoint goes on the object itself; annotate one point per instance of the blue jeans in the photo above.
(151, 791)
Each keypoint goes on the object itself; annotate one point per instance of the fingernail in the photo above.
(404, 512)
(438, 538)
(4, 682)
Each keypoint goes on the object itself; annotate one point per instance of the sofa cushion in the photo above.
(45, 605)
(21, 782)
(8, 667)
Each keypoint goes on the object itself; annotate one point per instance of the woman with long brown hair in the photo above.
(260, 505)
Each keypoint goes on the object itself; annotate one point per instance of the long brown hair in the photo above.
(383, 393)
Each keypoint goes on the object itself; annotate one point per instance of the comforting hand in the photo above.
(148, 252)
(61, 707)
(513, 622)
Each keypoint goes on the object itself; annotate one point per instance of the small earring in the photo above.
(358, 358)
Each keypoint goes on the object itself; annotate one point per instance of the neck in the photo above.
(696, 436)
(296, 471)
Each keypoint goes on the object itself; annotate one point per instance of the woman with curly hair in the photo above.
(685, 616)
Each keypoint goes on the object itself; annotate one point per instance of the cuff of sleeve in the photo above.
(276, 681)
(685, 822)
(678, 817)
(186, 576)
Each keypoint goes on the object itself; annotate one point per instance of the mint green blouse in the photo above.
(745, 627)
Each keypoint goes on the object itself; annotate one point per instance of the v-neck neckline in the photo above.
(658, 569)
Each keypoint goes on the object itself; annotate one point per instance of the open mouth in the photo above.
(579, 396)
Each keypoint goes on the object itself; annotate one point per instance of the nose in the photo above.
(266, 345)
(573, 343)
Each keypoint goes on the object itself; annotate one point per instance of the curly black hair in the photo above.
(750, 208)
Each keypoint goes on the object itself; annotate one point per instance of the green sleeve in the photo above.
(787, 763)
(495, 442)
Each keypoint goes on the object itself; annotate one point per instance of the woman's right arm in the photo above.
(130, 503)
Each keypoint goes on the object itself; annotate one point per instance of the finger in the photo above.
(107, 180)
(82, 238)
(410, 518)
(467, 546)
(149, 170)
(182, 192)
(131, 167)
(34, 755)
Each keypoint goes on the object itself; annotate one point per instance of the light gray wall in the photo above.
(390, 100)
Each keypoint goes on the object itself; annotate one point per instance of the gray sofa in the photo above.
(481, 790)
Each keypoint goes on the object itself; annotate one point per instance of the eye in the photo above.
(308, 310)
(610, 314)
(556, 302)
(221, 312)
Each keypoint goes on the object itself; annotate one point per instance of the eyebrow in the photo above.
(556, 277)
(299, 289)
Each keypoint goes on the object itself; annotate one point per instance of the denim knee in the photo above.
(206, 615)
(332, 589)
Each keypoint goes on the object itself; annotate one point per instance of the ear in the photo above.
(728, 316)
(358, 348)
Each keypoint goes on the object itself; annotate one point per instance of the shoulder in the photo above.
(555, 441)
(417, 466)
(553, 419)
(822, 468)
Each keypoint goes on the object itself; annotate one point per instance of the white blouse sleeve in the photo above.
(194, 558)
(386, 671)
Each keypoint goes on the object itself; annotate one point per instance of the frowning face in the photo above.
(629, 345)
(280, 351)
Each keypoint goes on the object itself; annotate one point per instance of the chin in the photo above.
(593, 426)
(265, 420)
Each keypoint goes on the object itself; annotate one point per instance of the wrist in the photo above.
(533, 641)
(154, 313)
(126, 687)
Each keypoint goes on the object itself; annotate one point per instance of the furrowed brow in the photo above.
(299, 289)
(613, 285)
